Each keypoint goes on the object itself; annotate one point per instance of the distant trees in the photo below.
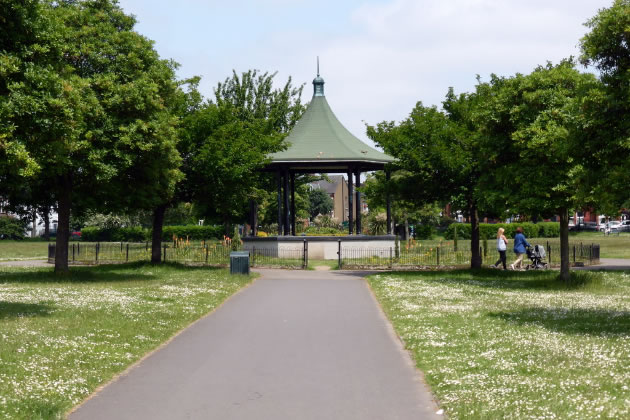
(319, 203)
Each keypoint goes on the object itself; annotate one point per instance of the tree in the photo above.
(226, 141)
(606, 151)
(530, 126)
(319, 202)
(84, 109)
(439, 154)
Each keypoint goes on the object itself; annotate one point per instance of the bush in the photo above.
(192, 232)
(489, 230)
(424, 231)
(323, 231)
(138, 234)
(11, 228)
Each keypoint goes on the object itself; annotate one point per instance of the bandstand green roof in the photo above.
(320, 141)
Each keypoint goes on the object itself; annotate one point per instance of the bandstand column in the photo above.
(293, 232)
(350, 209)
(357, 175)
(389, 203)
(279, 175)
(287, 226)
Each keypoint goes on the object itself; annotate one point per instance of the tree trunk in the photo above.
(34, 231)
(406, 228)
(475, 258)
(564, 245)
(46, 215)
(63, 227)
(156, 238)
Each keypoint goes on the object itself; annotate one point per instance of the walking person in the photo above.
(502, 248)
(519, 248)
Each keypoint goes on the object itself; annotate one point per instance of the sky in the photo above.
(378, 58)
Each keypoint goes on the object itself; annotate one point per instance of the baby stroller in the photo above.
(537, 256)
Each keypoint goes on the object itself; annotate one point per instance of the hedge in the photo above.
(11, 228)
(138, 234)
(489, 231)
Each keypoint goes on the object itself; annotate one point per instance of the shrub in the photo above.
(192, 232)
(424, 231)
(323, 231)
(261, 234)
(11, 228)
(489, 230)
(138, 234)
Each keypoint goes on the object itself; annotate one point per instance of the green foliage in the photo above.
(325, 221)
(11, 228)
(424, 231)
(225, 142)
(324, 231)
(376, 223)
(604, 140)
(489, 230)
(138, 234)
(319, 202)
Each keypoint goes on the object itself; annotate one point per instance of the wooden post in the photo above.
(96, 247)
(305, 255)
(339, 253)
(391, 257)
(438, 256)
(72, 252)
(206, 246)
(127, 256)
(164, 258)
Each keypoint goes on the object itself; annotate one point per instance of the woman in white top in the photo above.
(501, 247)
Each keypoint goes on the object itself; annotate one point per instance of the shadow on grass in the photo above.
(507, 280)
(19, 310)
(137, 271)
(596, 322)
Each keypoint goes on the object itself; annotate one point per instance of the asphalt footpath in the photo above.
(293, 345)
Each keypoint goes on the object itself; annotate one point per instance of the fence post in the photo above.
(391, 257)
(339, 263)
(127, 254)
(72, 252)
(79, 249)
(253, 256)
(305, 254)
(164, 259)
(574, 254)
(590, 257)
(121, 246)
(146, 247)
(206, 252)
(96, 247)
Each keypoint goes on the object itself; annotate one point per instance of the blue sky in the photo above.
(378, 58)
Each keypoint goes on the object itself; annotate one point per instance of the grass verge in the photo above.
(23, 250)
(60, 338)
(496, 345)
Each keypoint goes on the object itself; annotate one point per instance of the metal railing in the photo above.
(202, 254)
(433, 256)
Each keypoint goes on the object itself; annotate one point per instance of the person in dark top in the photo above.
(520, 244)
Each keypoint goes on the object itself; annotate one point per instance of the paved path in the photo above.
(294, 345)
(608, 264)
(25, 263)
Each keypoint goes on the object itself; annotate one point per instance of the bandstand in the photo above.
(319, 143)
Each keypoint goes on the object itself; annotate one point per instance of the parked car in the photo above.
(624, 226)
(588, 226)
(613, 224)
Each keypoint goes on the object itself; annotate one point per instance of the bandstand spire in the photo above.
(318, 83)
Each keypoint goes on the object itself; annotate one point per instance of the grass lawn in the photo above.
(505, 345)
(60, 338)
(23, 250)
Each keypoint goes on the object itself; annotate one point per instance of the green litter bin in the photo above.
(239, 262)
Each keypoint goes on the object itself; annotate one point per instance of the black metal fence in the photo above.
(201, 254)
